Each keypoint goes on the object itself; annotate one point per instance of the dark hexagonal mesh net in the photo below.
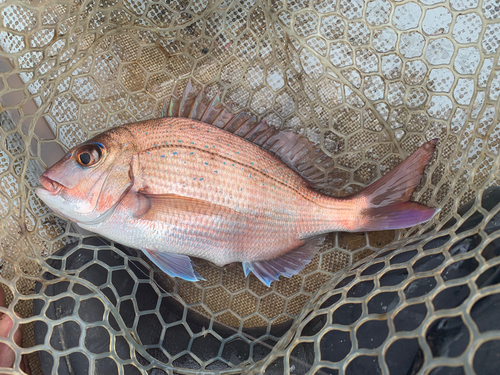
(367, 81)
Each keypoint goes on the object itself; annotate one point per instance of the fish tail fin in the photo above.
(385, 204)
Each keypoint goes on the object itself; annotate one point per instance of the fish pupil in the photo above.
(85, 158)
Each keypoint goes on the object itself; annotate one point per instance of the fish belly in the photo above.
(221, 240)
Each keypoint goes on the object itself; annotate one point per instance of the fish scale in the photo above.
(262, 189)
(184, 136)
(254, 185)
(273, 203)
(178, 187)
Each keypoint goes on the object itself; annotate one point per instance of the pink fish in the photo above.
(205, 183)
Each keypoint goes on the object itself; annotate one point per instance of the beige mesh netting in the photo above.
(368, 81)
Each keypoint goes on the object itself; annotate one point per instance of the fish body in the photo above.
(178, 187)
(258, 207)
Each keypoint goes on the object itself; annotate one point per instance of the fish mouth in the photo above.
(50, 185)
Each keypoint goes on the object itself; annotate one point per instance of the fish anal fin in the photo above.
(155, 206)
(175, 265)
(288, 264)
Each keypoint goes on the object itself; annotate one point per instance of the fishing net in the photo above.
(367, 81)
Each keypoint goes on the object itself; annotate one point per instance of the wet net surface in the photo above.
(369, 82)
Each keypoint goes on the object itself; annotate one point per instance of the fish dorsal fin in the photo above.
(157, 206)
(298, 152)
(288, 264)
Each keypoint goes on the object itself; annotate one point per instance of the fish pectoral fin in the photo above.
(288, 264)
(159, 205)
(175, 265)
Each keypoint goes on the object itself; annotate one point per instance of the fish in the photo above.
(204, 182)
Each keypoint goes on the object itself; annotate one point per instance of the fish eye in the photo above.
(88, 155)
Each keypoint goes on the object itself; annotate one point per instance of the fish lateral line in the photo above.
(254, 169)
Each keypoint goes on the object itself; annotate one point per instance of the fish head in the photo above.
(89, 182)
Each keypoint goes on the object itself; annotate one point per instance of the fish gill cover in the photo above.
(369, 82)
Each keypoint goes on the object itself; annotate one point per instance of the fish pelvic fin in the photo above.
(288, 264)
(385, 204)
(174, 265)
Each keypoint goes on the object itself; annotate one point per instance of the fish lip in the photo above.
(50, 185)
